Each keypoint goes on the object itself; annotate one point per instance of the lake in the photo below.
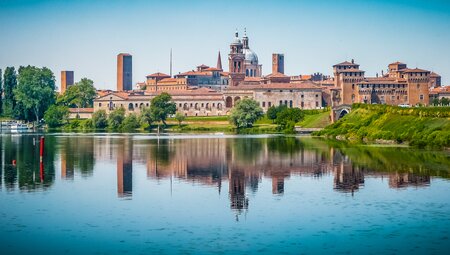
(221, 194)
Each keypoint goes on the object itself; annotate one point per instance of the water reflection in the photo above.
(242, 162)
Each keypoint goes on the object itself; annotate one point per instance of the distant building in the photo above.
(400, 86)
(124, 72)
(278, 63)
(66, 80)
(435, 80)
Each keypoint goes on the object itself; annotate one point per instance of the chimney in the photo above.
(353, 61)
(377, 75)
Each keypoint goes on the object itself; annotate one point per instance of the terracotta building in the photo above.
(124, 72)
(66, 80)
(400, 86)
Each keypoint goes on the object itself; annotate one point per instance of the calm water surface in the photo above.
(107, 194)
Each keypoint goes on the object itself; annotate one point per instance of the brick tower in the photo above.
(236, 61)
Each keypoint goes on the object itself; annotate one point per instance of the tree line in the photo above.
(29, 94)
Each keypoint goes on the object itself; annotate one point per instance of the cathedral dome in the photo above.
(250, 56)
(236, 41)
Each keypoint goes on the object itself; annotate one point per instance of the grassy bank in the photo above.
(316, 120)
(422, 127)
(191, 124)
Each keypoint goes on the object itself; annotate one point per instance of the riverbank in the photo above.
(420, 127)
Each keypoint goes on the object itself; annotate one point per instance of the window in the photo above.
(281, 90)
(418, 86)
(263, 104)
(353, 86)
(290, 103)
(281, 102)
(99, 104)
(303, 104)
(317, 104)
(302, 96)
(270, 104)
(317, 95)
(421, 97)
(269, 90)
(285, 102)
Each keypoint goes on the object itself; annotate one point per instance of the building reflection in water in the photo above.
(242, 162)
(124, 167)
(238, 199)
(347, 177)
(404, 180)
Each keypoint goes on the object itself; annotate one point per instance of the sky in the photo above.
(86, 36)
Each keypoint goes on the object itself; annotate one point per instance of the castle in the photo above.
(212, 91)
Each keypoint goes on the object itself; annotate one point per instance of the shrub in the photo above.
(130, 122)
(100, 119)
(116, 118)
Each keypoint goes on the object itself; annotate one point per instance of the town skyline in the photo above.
(94, 36)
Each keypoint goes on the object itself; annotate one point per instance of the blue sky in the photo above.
(86, 36)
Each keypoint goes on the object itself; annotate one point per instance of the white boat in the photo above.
(19, 126)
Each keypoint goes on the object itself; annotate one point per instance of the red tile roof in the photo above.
(212, 69)
(346, 63)
(433, 74)
(276, 75)
(194, 73)
(158, 74)
(415, 70)
(397, 63)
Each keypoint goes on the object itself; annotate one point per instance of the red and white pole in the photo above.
(41, 158)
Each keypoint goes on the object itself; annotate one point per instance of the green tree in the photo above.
(56, 115)
(35, 90)
(445, 101)
(99, 119)
(146, 116)
(1, 93)
(80, 94)
(180, 118)
(162, 106)
(116, 117)
(245, 113)
(130, 122)
(287, 118)
(435, 102)
(9, 84)
(289, 114)
(273, 111)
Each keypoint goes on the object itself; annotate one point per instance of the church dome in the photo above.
(236, 41)
(250, 56)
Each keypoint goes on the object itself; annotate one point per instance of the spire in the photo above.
(171, 62)
(236, 34)
(219, 62)
(245, 39)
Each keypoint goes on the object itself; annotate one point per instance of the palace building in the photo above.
(400, 86)
(212, 91)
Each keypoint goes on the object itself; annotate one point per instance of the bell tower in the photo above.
(236, 61)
